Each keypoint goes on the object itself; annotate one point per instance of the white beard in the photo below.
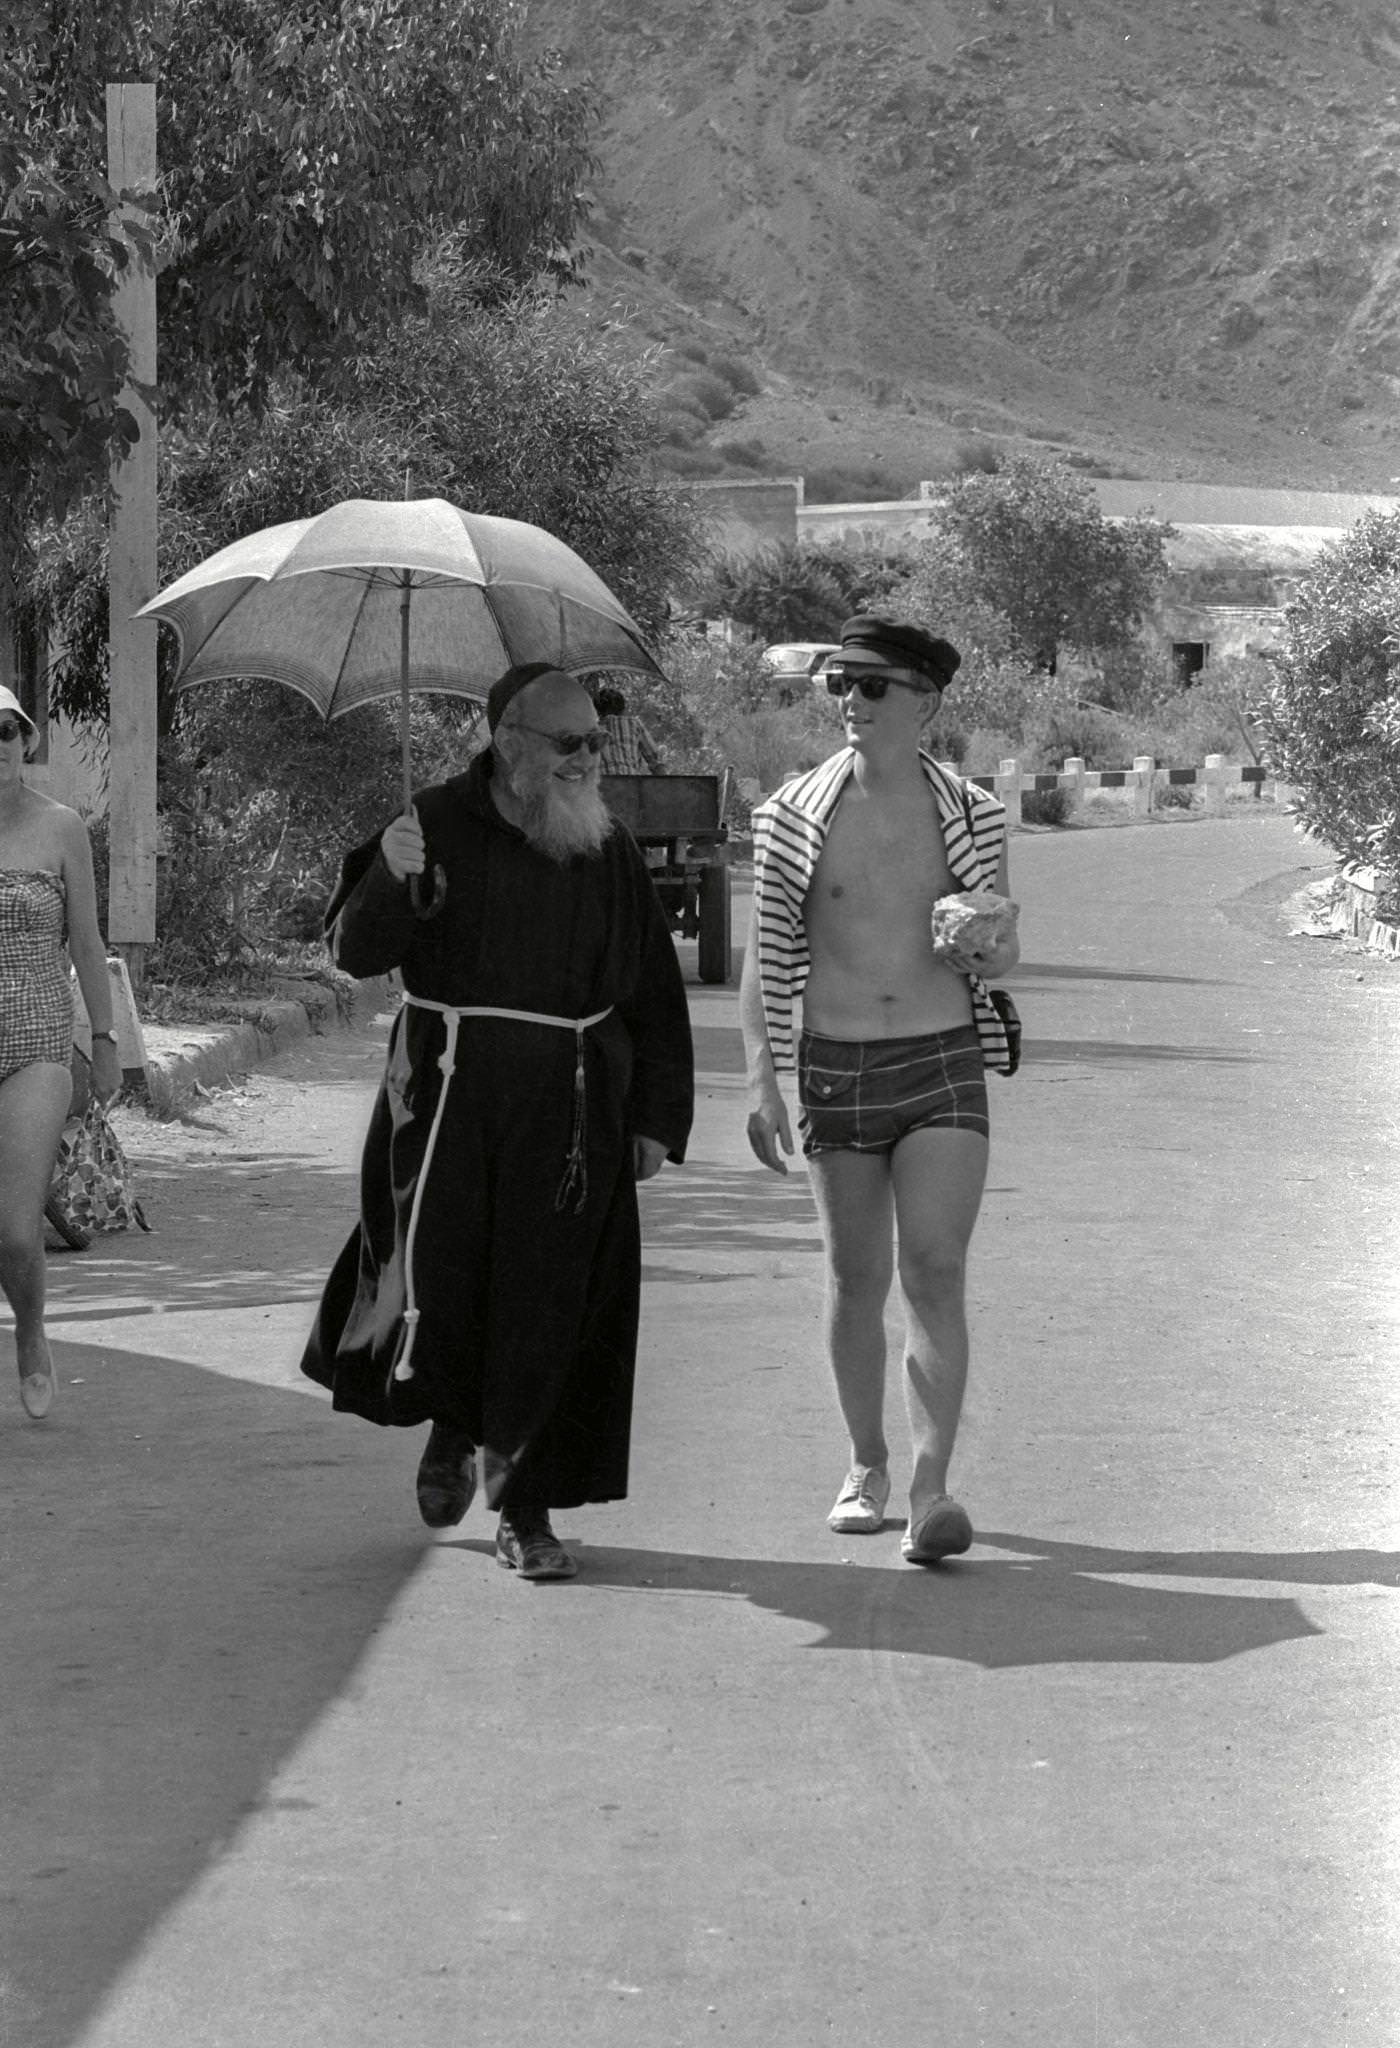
(564, 819)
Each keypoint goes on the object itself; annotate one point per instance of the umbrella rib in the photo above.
(350, 641)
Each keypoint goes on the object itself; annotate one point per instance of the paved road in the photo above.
(283, 1769)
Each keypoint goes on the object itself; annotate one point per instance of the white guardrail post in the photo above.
(1214, 780)
(1072, 778)
(1144, 774)
(1009, 790)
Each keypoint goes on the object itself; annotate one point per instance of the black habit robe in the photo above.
(528, 1305)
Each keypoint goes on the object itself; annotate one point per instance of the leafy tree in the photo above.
(1034, 546)
(941, 592)
(310, 152)
(526, 410)
(1330, 713)
(63, 361)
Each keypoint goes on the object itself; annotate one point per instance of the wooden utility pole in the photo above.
(131, 573)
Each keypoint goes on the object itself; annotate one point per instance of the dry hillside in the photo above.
(1163, 234)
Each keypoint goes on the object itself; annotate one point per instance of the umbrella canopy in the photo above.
(378, 597)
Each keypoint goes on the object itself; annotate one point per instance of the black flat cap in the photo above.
(876, 642)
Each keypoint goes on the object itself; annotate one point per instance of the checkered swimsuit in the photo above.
(864, 1096)
(36, 1001)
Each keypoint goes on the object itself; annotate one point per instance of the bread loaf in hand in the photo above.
(976, 921)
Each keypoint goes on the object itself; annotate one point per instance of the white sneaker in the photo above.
(861, 1503)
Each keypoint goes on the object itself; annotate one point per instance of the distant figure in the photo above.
(630, 750)
(47, 903)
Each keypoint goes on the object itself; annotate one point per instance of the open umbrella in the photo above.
(377, 597)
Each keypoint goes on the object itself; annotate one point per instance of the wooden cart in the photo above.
(679, 823)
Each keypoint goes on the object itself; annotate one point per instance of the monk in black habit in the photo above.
(492, 1286)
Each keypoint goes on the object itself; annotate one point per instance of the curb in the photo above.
(1356, 914)
(182, 1059)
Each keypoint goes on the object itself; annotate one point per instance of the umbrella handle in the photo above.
(428, 894)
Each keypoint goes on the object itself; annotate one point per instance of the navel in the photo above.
(837, 889)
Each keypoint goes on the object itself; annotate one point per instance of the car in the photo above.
(795, 664)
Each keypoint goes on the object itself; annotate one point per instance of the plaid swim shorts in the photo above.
(864, 1095)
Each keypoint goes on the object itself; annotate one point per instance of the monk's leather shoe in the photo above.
(525, 1543)
(446, 1476)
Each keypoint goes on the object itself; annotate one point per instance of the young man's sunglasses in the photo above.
(564, 742)
(11, 729)
(873, 682)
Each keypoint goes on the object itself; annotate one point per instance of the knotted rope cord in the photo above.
(575, 1181)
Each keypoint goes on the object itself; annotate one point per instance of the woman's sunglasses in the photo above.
(11, 729)
(872, 682)
(564, 742)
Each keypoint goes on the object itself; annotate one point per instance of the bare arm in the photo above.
(87, 952)
(770, 1133)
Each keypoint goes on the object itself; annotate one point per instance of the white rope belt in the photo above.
(574, 1185)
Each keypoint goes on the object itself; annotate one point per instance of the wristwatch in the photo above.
(104, 1034)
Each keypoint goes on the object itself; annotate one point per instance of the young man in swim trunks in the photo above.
(849, 860)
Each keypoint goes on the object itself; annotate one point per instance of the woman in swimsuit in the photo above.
(47, 897)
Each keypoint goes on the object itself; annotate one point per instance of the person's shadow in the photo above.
(1044, 1603)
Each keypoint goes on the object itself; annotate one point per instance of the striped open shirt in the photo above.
(789, 831)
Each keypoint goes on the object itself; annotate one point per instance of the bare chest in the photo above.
(881, 861)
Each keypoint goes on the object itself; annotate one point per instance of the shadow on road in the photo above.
(198, 1565)
(1124, 1052)
(233, 1233)
(1048, 970)
(724, 1208)
(1279, 1567)
(1000, 1614)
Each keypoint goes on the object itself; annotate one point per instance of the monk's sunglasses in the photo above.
(11, 729)
(873, 683)
(564, 742)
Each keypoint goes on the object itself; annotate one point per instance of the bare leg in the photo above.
(938, 1179)
(852, 1192)
(33, 1104)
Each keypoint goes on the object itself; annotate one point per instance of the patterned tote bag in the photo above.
(93, 1189)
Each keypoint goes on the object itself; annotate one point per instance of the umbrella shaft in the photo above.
(405, 747)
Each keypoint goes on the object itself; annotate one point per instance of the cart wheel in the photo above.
(75, 1239)
(715, 939)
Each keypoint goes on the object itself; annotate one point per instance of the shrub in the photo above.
(259, 803)
(1330, 711)
(976, 453)
(867, 573)
(738, 375)
(680, 429)
(1046, 807)
(748, 454)
(711, 394)
(783, 592)
(846, 484)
